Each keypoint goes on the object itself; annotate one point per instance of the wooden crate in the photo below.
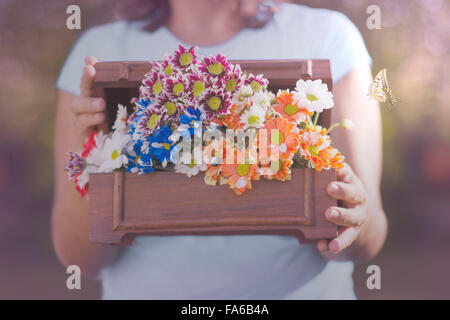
(123, 205)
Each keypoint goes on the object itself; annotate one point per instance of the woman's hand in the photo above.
(88, 112)
(351, 217)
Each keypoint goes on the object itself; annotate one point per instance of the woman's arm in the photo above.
(76, 118)
(362, 218)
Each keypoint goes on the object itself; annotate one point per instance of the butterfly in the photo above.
(380, 91)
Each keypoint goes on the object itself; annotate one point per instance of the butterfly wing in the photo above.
(376, 87)
(379, 89)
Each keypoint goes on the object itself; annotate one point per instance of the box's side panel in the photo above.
(322, 229)
(101, 204)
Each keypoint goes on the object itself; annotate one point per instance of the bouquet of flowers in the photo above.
(203, 114)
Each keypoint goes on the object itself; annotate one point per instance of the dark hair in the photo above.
(157, 12)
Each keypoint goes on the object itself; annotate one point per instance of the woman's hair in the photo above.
(157, 12)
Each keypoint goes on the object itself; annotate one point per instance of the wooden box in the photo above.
(123, 205)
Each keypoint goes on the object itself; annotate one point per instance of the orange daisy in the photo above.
(278, 170)
(289, 108)
(233, 119)
(240, 175)
(281, 136)
(315, 145)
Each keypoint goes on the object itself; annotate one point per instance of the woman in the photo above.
(227, 267)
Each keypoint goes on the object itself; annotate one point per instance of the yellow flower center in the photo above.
(243, 169)
(166, 146)
(253, 120)
(168, 70)
(255, 85)
(198, 88)
(230, 85)
(314, 150)
(114, 155)
(153, 121)
(170, 107)
(215, 69)
(291, 109)
(214, 103)
(276, 138)
(311, 97)
(157, 87)
(186, 59)
(178, 89)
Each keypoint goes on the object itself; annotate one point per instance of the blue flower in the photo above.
(160, 145)
(190, 121)
(143, 103)
(140, 160)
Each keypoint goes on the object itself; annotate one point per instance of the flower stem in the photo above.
(316, 117)
(332, 127)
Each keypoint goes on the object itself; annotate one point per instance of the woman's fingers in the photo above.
(353, 217)
(349, 192)
(90, 60)
(88, 120)
(343, 240)
(87, 105)
(345, 174)
(87, 81)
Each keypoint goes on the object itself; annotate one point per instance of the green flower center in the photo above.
(168, 70)
(243, 169)
(314, 150)
(198, 88)
(214, 103)
(311, 97)
(215, 68)
(186, 59)
(192, 164)
(276, 138)
(255, 85)
(253, 120)
(178, 89)
(157, 87)
(114, 155)
(170, 107)
(291, 109)
(231, 85)
(166, 146)
(153, 121)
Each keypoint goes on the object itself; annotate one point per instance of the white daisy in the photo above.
(243, 93)
(253, 117)
(120, 125)
(346, 124)
(314, 95)
(263, 99)
(190, 169)
(113, 152)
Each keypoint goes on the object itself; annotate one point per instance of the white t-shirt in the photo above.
(227, 267)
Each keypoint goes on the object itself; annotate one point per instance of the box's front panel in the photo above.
(164, 200)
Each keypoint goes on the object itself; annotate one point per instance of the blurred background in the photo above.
(413, 44)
